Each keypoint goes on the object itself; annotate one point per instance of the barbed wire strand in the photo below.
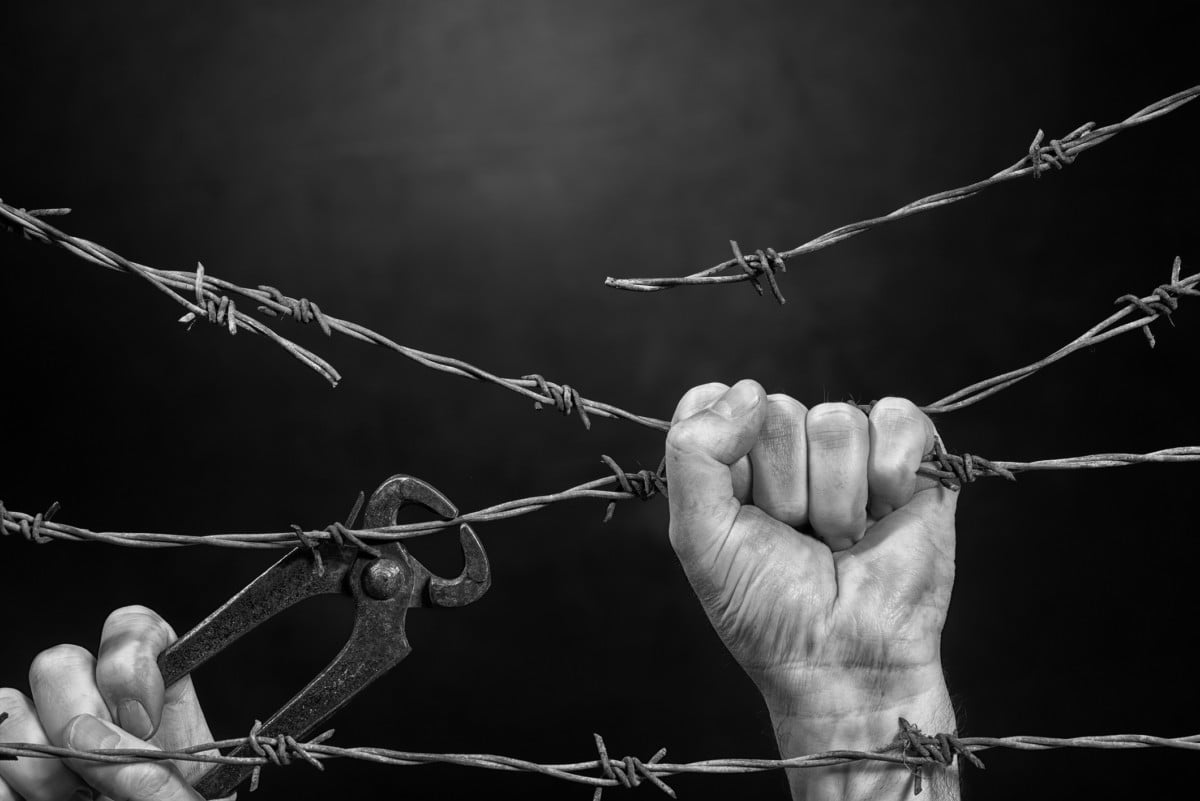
(952, 470)
(1055, 154)
(626, 772)
(206, 297)
(209, 304)
(1160, 303)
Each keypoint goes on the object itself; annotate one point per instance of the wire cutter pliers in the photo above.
(384, 587)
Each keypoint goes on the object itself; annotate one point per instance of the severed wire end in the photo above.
(358, 503)
(1035, 153)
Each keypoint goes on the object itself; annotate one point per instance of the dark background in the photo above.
(462, 177)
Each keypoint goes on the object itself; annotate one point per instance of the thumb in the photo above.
(131, 781)
(700, 450)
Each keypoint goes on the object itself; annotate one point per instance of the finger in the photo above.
(183, 725)
(132, 781)
(132, 686)
(127, 669)
(62, 681)
(838, 450)
(699, 398)
(901, 434)
(779, 461)
(700, 450)
(7, 793)
(34, 779)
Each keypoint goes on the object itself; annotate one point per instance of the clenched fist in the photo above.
(825, 563)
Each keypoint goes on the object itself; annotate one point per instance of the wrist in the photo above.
(861, 713)
(832, 693)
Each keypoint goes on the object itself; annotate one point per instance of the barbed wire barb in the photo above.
(1161, 302)
(1039, 158)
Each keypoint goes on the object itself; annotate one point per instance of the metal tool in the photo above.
(384, 587)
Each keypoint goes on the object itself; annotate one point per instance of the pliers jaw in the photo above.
(397, 568)
(384, 587)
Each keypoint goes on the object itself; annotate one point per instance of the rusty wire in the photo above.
(910, 748)
(1039, 158)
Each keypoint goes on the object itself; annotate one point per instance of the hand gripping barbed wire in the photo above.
(912, 749)
(1055, 154)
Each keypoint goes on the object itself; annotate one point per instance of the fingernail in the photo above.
(88, 732)
(737, 400)
(133, 718)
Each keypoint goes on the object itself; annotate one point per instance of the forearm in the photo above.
(841, 718)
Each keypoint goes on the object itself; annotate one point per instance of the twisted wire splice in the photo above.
(29, 527)
(629, 771)
(1054, 154)
(309, 543)
(280, 750)
(566, 398)
(302, 310)
(937, 749)
(340, 533)
(762, 264)
(643, 485)
(1164, 301)
(218, 309)
(952, 470)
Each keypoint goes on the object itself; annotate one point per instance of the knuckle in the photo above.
(120, 667)
(55, 660)
(135, 612)
(702, 390)
(685, 438)
(835, 424)
(133, 632)
(697, 398)
(892, 469)
(898, 414)
(137, 618)
(784, 413)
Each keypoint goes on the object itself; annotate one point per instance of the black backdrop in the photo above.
(462, 177)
